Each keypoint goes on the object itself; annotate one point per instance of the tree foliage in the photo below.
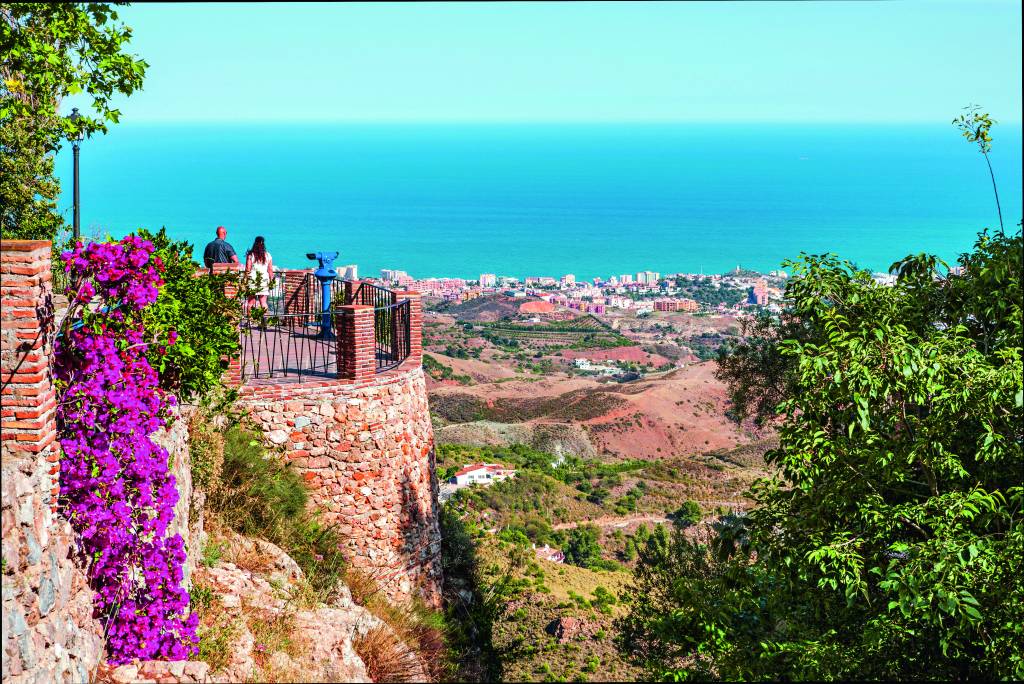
(202, 316)
(888, 544)
(51, 51)
(583, 546)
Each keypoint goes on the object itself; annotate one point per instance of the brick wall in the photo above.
(48, 630)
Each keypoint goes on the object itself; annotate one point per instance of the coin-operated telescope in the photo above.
(326, 275)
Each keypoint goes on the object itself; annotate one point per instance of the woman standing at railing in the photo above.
(259, 270)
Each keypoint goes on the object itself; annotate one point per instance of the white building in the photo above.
(488, 280)
(481, 473)
(392, 275)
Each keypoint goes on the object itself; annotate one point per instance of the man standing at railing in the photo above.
(219, 251)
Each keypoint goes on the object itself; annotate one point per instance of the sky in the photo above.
(589, 62)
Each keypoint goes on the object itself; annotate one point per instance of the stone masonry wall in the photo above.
(49, 634)
(367, 451)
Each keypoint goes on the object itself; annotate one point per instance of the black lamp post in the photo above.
(76, 143)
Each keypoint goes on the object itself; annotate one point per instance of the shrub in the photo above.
(687, 515)
(202, 316)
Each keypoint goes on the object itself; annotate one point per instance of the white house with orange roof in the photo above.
(481, 473)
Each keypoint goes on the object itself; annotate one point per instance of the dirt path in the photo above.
(612, 521)
(625, 521)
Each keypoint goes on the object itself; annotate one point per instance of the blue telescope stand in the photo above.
(326, 275)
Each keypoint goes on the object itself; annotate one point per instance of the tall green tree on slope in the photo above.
(889, 544)
(50, 51)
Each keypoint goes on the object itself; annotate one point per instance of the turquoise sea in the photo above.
(593, 200)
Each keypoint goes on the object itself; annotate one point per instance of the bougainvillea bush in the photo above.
(115, 484)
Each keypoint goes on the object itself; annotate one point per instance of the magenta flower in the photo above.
(114, 481)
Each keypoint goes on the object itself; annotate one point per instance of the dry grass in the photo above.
(386, 658)
(418, 629)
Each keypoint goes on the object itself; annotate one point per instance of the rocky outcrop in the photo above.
(565, 629)
(320, 639)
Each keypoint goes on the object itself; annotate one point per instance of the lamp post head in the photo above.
(79, 134)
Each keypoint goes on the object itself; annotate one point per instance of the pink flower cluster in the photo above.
(115, 483)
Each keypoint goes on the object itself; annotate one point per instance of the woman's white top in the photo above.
(263, 269)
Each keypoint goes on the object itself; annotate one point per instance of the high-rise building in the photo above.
(350, 272)
(392, 275)
(568, 280)
(759, 293)
(488, 280)
(625, 278)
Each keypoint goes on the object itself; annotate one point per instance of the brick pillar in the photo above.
(233, 374)
(296, 291)
(28, 410)
(415, 325)
(356, 349)
(350, 290)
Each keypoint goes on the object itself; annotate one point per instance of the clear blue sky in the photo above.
(730, 61)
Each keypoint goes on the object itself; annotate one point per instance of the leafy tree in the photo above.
(975, 126)
(582, 547)
(687, 515)
(888, 542)
(202, 316)
(52, 50)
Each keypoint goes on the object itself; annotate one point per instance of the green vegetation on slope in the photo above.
(888, 545)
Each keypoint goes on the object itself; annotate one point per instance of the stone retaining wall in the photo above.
(366, 449)
(49, 633)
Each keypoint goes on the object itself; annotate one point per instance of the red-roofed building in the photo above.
(481, 473)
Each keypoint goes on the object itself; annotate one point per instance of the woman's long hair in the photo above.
(259, 250)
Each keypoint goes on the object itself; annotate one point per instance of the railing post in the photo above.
(233, 374)
(356, 345)
(415, 324)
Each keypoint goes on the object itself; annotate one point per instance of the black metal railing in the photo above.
(275, 344)
(279, 346)
(391, 325)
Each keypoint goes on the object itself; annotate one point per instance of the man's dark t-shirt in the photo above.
(218, 252)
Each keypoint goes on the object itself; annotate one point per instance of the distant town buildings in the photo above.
(647, 277)
(684, 304)
(568, 280)
(759, 293)
(396, 277)
(488, 280)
